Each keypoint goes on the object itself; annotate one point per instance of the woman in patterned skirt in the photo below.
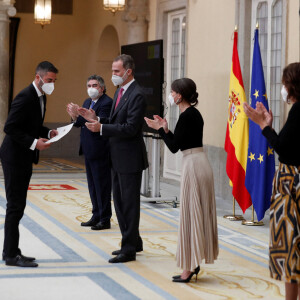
(285, 201)
(198, 235)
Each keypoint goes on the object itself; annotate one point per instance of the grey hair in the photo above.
(100, 80)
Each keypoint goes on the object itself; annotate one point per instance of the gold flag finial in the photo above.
(235, 28)
(257, 26)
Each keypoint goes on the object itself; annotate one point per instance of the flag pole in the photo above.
(234, 217)
(252, 222)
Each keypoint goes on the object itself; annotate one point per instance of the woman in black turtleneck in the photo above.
(197, 236)
(284, 247)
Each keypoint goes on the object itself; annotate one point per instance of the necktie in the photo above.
(42, 105)
(92, 104)
(119, 97)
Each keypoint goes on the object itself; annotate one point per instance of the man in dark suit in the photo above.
(128, 153)
(95, 149)
(20, 148)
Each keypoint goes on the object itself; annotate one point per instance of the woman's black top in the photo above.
(287, 142)
(188, 132)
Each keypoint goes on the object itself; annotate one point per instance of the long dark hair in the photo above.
(187, 88)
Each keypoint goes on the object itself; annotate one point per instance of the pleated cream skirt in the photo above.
(198, 233)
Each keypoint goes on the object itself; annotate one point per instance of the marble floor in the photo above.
(73, 260)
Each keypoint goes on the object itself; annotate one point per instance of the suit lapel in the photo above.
(123, 99)
(98, 104)
(87, 103)
(114, 103)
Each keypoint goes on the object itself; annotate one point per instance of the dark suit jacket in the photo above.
(92, 145)
(124, 127)
(23, 125)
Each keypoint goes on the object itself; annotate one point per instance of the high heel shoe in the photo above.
(177, 278)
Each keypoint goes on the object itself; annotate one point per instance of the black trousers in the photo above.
(126, 194)
(99, 183)
(17, 178)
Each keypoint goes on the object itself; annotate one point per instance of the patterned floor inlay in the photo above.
(73, 260)
(57, 165)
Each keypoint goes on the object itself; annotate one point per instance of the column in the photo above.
(137, 17)
(6, 10)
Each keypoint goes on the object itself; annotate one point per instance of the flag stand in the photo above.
(252, 222)
(234, 217)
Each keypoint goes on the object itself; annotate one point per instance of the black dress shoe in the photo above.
(101, 226)
(121, 258)
(23, 256)
(117, 252)
(90, 222)
(19, 261)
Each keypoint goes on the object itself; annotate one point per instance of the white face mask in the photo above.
(118, 80)
(171, 99)
(284, 93)
(48, 88)
(93, 93)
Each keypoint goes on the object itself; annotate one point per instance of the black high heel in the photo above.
(177, 278)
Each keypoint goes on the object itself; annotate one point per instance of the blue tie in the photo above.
(92, 104)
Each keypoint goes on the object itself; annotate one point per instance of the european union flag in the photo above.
(260, 163)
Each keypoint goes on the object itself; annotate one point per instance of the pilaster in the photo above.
(137, 17)
(6, 10)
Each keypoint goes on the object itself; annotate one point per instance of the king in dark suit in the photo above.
(95, 149)
(128, 153)
(20, 148)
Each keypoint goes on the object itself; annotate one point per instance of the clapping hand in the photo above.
(72, 110)
(259, 115)
(93, 125)
(157, 123)
(88, 114)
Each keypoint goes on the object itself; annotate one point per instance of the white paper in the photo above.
(62, 131)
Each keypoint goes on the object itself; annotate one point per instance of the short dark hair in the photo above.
(291, 80)
(187, 88)
(99, 79)
(127, 60)
(44, 67)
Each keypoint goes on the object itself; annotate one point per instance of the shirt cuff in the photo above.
(49, 134)
(33, 144)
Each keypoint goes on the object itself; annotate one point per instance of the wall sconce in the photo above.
(113, 5)
(42, 12)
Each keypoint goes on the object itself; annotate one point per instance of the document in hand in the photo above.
(62, 131)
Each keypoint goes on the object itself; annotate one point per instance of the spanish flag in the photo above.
(237, 133)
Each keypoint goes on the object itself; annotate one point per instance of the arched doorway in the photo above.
(108, 49)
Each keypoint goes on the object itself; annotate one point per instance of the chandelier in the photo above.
(113, 5)
(42, 12)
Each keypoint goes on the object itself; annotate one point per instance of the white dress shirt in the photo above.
(32, 147)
